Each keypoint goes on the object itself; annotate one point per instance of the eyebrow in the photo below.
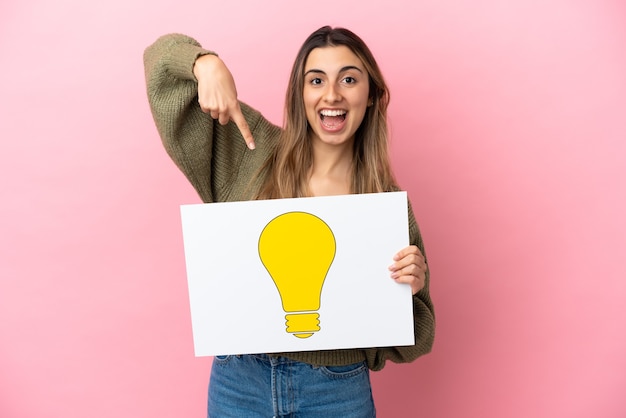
(342, 70)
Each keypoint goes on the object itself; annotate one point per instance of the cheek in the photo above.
(360, 99)
(310, 112)
(362, 107)
(365, 98)
(309, 107)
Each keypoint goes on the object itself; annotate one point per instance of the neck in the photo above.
(331, 172)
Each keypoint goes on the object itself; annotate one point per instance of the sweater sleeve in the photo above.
(208, 153)
(423, 318)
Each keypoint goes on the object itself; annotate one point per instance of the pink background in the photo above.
(509, 127)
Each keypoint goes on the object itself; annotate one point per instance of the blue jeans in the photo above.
(257, 385)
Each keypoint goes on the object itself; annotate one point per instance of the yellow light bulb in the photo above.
(297, 249)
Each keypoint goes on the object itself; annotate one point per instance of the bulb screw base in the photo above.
(302, 325)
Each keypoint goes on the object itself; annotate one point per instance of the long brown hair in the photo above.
(288, 169)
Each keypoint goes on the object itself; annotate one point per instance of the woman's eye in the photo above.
(349, 80)
(316, 81)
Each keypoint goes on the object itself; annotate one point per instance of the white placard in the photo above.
(239, 304)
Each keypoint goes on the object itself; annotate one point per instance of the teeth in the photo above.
(328, 112)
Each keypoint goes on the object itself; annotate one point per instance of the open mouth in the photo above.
(332, 118)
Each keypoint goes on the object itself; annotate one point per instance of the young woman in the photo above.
(334, 141)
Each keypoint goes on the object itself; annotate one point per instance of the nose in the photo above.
(332, 94)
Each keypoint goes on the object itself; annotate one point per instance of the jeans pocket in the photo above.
(342, 372)
(221, 359)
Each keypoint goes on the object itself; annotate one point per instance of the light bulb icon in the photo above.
(297, 250)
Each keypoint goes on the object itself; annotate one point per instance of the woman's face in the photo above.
(336, 94)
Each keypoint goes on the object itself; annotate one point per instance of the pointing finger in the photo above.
(240, 121)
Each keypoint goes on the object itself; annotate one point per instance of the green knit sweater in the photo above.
(220, 167)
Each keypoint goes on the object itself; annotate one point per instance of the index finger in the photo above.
(240, 121)
(411, 249)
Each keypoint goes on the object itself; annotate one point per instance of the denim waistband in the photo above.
(273, 360)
